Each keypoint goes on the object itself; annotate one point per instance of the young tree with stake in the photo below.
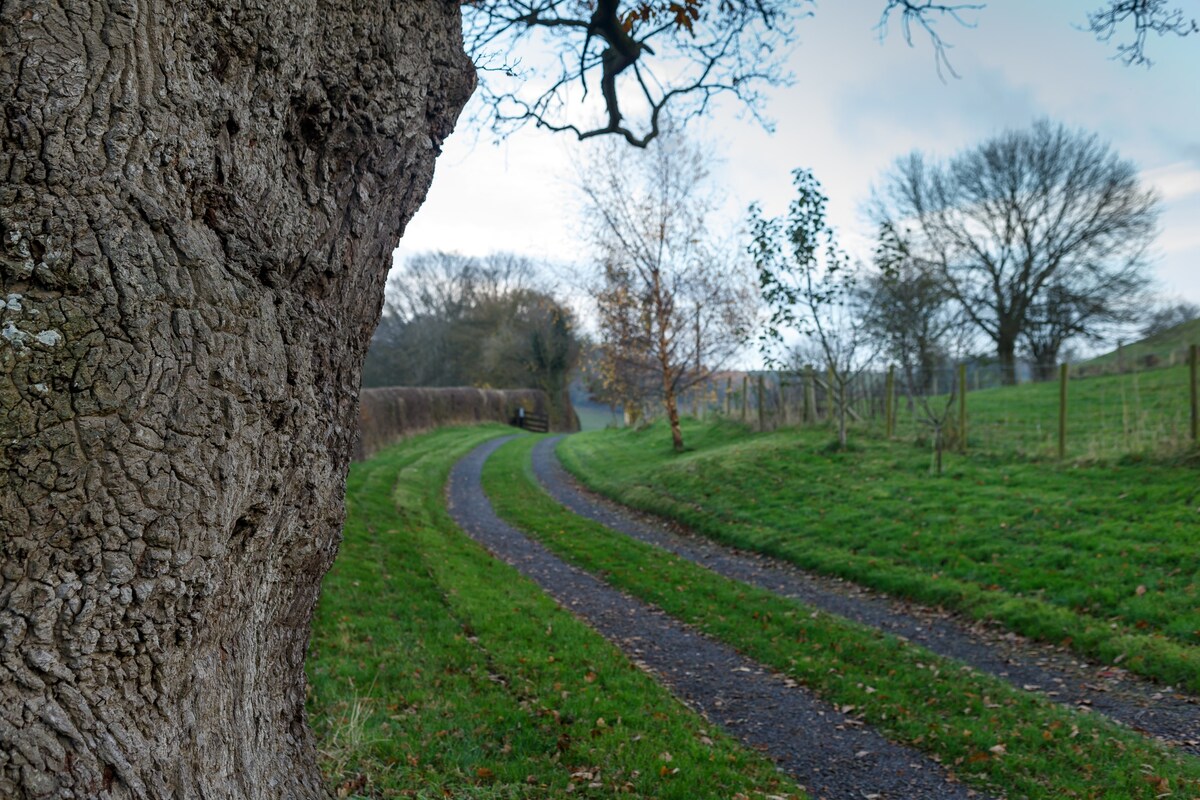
(810, 286)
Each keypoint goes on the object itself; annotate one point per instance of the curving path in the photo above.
(828, 753)
(1171, 717)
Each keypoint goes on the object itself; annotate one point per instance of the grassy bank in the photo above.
(1173, 340)
(1143, 413)
(980, 727)
(436, 671)
(1102, 557)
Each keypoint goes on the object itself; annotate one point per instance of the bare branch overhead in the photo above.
(1160, 17)
(616, 67)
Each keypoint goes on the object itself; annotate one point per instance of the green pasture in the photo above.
(1100, 557)
(982, 728)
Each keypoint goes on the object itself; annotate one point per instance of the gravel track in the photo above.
(1157, 711)
(832, 755)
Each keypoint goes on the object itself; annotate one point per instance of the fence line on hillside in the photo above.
(1080, 414)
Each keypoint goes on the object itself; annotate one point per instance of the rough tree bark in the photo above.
(197, 204)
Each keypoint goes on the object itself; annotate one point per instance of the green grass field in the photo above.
(960, 716)
(1102, 557)
(1145, 413)
(436, 671)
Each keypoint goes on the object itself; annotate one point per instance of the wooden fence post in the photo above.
(962, 408)
(728, 389)
(1064, 373)
(889, 402)
(1194, 368)
(810, 394)
(762, 420)
(745, 393)
(783, 405)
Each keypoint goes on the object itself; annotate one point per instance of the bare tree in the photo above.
(810, 286)
(1089, 306)
(643, 57)
(912, 317)
(909, 310)
(438, 307)
(1022, 214)
(443, 284)
(455, 320)
(1167, 315)
(934, 412)
(673, 303)
(617, 66)
(1159, 17)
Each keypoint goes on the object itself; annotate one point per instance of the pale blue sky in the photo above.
(855, 106)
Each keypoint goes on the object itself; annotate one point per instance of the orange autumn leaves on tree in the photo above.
(684, 14)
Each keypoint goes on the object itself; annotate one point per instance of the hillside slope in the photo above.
(1156, 350)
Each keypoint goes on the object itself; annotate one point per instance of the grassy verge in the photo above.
(1102, 558)
(436, 671)
(978, 726)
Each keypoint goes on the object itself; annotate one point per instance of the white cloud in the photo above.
(856, 105)
(1174, 181)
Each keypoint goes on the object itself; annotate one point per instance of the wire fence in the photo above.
(1078, 413)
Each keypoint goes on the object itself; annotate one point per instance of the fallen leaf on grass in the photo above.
(352, 785)
(1160, 784)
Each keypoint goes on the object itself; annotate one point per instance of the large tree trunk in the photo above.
(1045, 361)
(1006, 354)
(197, 204)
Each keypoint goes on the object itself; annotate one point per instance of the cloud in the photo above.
(1174, 181)
(1180, 239)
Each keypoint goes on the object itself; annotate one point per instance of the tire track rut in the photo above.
(832, 755)
(1172, 717)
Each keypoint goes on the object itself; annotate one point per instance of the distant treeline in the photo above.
(455, 320)
(387, 415)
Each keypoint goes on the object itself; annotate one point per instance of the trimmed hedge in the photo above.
(387, 415)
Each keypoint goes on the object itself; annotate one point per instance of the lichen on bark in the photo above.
(198, 201)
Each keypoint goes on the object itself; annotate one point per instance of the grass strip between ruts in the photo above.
(437, 671)
(857, 515)
(980, 727)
